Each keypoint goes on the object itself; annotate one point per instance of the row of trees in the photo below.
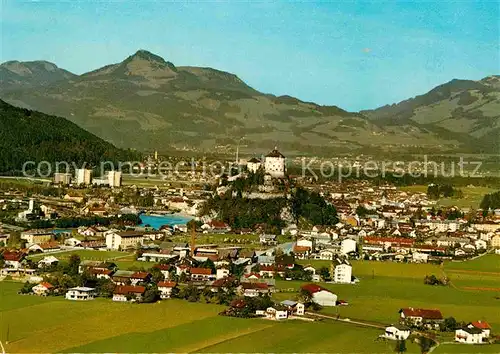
(491, 201)
(436, 191)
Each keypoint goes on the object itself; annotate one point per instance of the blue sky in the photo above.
(355, 55)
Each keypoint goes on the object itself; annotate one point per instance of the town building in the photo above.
(37, 236)
(83, 176)
(124, 240)
(341, 271)
(114, 179)
(275, 164)
(62, 178)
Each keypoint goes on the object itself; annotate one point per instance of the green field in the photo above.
(53, 324)
(85, 254)
(57, 325)
(385, 287)
(472, 195)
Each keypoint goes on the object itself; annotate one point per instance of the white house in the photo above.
(347, 245)
(397, 332)
(81, 293)
(273, 314)
(420, 257)
(222, 273)
(47, 261)
(482, 325)
(342, 271)
(469, 335)
(326, 255)
(72, 242)
(123, 293)
(320, 295)
(274, 164)
(165, 288)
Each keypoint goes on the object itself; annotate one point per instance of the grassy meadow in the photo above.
(472, 195)
(53, 324)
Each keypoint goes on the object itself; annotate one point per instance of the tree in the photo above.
(151, 294)
(400, 346)
(324, 272)
(73, 264)
(425, 344)
(156, 275)
(361, 211)
(449, 324)
(27, 288)
(304, 296)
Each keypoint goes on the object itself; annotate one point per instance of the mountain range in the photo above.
(148, 103)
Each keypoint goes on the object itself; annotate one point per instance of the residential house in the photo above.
(495, 241)
(301, 252)
(276, 314)
(293, 307)
(347, 245)
(42, 289)
(327, 254)
(80, 293)
(267, 239)
(201, 274)
(320, 295)
(125, 293)
(222, 272)
(122, 277)
(165, 288)
(397, 332)
(418, 317)
(47, 261)
(470, 335)
(482, 325)
(140, 277)
(254, 289)
(13, 259)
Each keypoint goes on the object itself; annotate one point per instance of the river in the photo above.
(169, 219)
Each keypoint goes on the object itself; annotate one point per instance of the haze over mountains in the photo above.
(145, 102)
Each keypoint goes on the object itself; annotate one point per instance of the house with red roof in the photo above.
(125, 293)
(13, 259)
(253, 289)
(42, 289)
(320, 295)
(421, 317)
(140, 277)
(202, 274)
(483, 326)
(165, 288)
